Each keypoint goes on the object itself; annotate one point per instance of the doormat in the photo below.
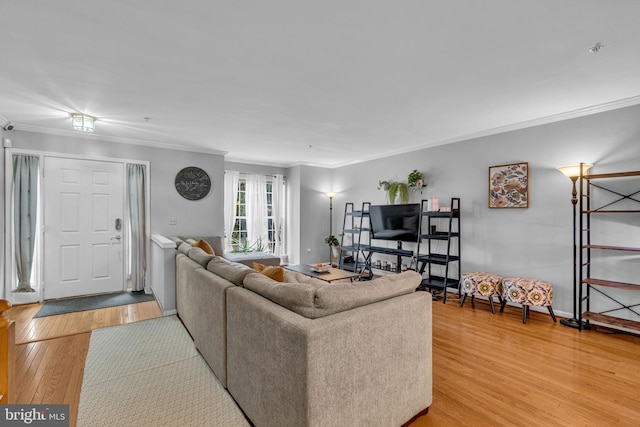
(63, 306)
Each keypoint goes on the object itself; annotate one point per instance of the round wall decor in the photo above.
(193, 183)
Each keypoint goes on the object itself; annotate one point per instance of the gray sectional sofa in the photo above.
(305, 352)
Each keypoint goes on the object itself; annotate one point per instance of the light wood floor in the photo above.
(51, 351)
(488, 370)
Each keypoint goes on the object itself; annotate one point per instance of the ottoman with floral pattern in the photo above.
(483, 284)
(528, 292)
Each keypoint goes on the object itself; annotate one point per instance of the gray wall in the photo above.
(293, 214)
(314, 214)
(204, 217)
(308, 214)
(534, 242)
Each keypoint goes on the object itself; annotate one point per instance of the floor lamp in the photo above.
(573, 173)
(330, 195)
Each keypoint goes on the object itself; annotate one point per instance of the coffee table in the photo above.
(330, 276)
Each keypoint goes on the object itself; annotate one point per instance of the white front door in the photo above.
(83, 227)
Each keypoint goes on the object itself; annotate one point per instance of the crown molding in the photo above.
(574, 114)
(581, 112)
(4, 121)
(117, 140)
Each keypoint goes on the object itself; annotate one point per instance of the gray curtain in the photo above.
(25, 208)
(136, 177)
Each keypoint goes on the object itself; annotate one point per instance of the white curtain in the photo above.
(137, 218)
(278, 206)
(25, 205)
(256, 203)
(231, 180)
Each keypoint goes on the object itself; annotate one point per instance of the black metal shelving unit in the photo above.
(436, 227)
(355, 239)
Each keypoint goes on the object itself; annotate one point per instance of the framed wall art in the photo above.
(509, 186)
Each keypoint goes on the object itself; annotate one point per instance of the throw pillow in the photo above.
(204, 246)
(272, 272)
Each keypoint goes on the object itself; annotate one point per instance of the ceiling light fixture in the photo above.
(82, 122)
(596, 48)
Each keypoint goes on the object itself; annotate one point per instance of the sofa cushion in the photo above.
(314, 300)
(248, 258)
(275, 273)
(345, 296)
(295, 277)
(231, 271)
(184, 248)
(200, 256)
(202, 244)
(297, 297)
(175, 239)
(215, 242)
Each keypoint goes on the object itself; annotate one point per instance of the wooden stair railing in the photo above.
(7, 355)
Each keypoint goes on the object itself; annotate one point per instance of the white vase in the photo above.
(335, 255)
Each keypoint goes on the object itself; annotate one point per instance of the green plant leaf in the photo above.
(392, 192)
(332, 240)
(404, 192)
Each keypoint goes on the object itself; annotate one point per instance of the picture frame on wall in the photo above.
(509, 186)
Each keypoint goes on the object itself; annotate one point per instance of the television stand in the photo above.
(398, 252)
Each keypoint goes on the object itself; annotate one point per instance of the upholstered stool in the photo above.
(528, 292)
(484, 284)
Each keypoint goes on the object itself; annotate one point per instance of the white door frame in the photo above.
(10, 269)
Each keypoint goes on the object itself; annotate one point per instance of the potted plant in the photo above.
(332, 240)
(243, 246)
(334, 244)
(383, 185)
(415, 179)
(398, 188)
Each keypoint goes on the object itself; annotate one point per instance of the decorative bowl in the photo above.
(322, 267)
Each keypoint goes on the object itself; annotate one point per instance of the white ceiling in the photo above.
(324, 82)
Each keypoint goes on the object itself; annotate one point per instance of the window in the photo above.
(240, 235)
(240, 227)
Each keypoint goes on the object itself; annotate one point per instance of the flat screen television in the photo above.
(395, 222)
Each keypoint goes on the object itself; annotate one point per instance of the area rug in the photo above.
(150, 374)
(70, 305)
